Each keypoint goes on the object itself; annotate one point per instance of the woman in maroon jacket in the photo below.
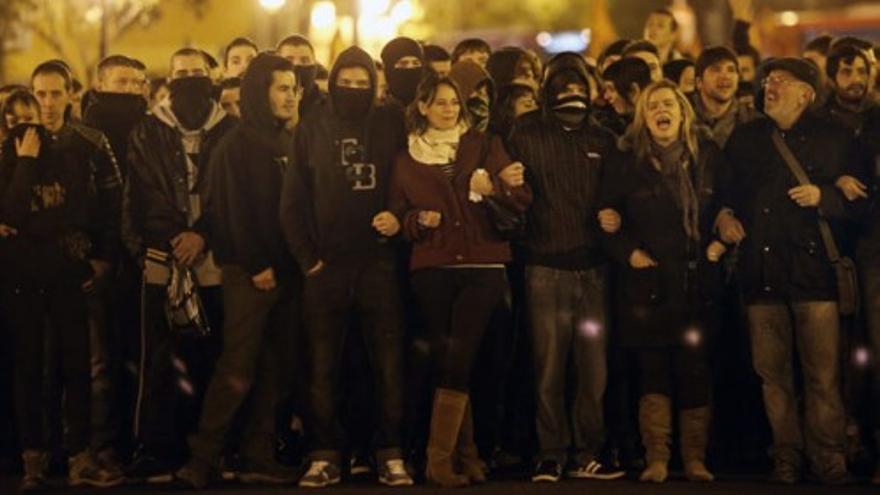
(457, 264)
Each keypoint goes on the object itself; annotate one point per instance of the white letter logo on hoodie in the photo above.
(361, 175)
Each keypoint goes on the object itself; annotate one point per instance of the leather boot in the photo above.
(655, 424)
(446, 419)
(694, 426)
(468, 455)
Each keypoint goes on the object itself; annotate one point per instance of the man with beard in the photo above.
(259, 273)
(61, 195)
(334, 216)
(565, 276)
(163, 224)
(715, 102)
(298, 51)
(849, 72)
(115, 107)
(404, 64)
(784, 269)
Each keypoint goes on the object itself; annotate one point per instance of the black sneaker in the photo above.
(145, 468)
(84, 470)
(196, 474)
(547, 472)
(267, 472)
(320, 475)
(595, 470)
(393, 473)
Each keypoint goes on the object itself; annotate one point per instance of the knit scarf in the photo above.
(436, 147)
(673, 163)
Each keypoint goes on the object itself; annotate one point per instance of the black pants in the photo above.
(174, 374)
(680, 371)
(328, 301)
(255, 323)
(41, 283)
(457, 304)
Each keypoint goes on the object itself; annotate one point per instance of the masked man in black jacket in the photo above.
(787, 280)
(163, 222)
(333, 211)
(61, 193)
(258, 275)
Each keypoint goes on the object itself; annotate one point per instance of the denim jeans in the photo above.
(255, 323)
(328, 300)
(870, 278)
(568, 315)
(812, 330)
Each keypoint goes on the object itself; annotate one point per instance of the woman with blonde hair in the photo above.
(658, 227)
(439, 190)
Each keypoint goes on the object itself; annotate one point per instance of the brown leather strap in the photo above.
(795, 167)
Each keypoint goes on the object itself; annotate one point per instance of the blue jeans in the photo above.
(812, 330)
(568, 315)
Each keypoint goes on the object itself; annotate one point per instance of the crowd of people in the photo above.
(436, 265)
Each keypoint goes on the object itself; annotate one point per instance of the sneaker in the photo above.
(359, 465)
(83, 470)
(320, 475)
(35, 465)
(267, 472)
(145, 468)
(195, 474)
(393, 473)
(595, 470)
(547, 472)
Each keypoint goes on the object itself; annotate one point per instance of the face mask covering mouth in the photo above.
(352, 104)
(478, 107)
(403, 83)
(191, 100)
(305, 76)
(116, 112)
(571, 111)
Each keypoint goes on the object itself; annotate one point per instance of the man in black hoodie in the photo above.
(258, 275)
(163, 223)
(404, 63)
(565, 157)
(334, 218)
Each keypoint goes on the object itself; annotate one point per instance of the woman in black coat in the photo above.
(658, 227)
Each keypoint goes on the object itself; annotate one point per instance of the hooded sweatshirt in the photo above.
(564, 168)
(247, 170)
(339, 178)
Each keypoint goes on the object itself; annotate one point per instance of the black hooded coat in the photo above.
(247, 171)
(340, 175)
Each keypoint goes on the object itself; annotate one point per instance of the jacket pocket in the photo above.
(810, 267)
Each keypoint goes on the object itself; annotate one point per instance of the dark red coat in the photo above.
(466, 234)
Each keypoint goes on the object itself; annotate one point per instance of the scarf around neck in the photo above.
(436, 147)
(673, 163)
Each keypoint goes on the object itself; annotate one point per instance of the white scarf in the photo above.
(436, 147)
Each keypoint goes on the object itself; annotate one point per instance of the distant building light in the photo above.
(402, 12)
(323, 15)
(544, 39)
(272, 5)
(789, 18)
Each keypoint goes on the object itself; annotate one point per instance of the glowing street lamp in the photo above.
(272, 5)
(323, 15)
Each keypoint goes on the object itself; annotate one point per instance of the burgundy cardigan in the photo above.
(465, 234)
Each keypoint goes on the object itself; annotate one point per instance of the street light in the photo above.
(272, 5)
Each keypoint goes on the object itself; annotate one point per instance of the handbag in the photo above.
(183, 306)
(844, 267)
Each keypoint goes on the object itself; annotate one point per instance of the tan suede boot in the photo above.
(655, 423)
(468, 455)
(446, 419)
(694, 425)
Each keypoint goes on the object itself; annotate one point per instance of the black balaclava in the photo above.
(570, 111)
(116, 115)
(306, 75)
(191, 100)
(352, 104)
(403, 83)
(256, 111)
